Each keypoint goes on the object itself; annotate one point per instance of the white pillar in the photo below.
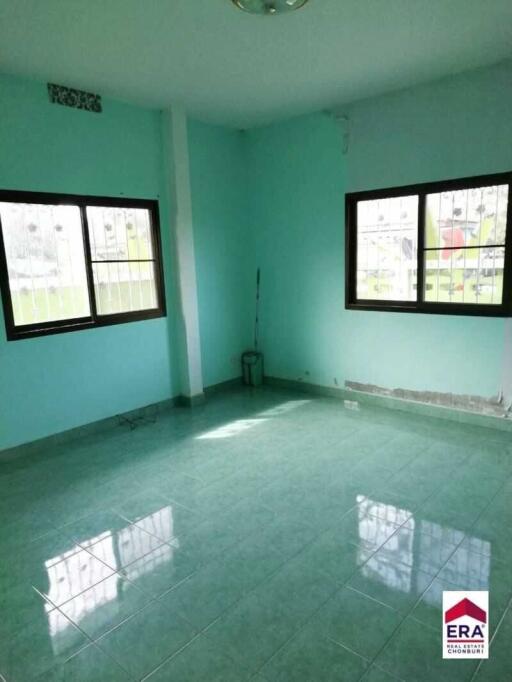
(177, 165)
(506, 387)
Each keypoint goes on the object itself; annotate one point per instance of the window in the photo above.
(436, 248)
(71, 262)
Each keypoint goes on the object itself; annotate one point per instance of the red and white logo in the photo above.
(465, 625)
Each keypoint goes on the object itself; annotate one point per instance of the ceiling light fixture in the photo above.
(270, 7)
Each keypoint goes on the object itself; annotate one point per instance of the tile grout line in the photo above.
(268, 578)
(201, 630)
(339, 586)
(496, 629)
(371, 661)
(152, 598)
(435, 577)
(297, 553)
(90, 640)
(169, 658)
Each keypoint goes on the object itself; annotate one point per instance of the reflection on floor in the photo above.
(67, 576)
(405, 567)
(260, 537)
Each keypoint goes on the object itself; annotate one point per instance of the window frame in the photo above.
(420, 305)
(17, 332)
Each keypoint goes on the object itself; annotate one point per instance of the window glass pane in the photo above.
(467, 217)
(45, 262)
(124, 287)
(387, 243)
(119, 233)
(464, 275)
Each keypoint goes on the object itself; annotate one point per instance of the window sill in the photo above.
(80, 325)
(468, 309)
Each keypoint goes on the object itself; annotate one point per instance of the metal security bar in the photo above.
(54, 277)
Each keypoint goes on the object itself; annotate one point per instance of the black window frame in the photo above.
(420, 305)
(17, 332)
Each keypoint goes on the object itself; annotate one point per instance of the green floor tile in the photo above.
(88, 665)
(336, 556)
(449, 509)
(207, 500)
(120, 548)
(375, 674)
(414, 653)
(252, 631)
(44, 643)
(261, 622)
(200, 661)
(417, 548)
(159, 516)
(357, 622)
(86, 531)
(293, 501)
(19, 606)
(73, 572)
(429, 608)
(499, 665)
(468, 570)
(309, 656)
(105, 605)
(144, 537)
(158, 571)
(300, 586)
(29, 561)
(147, 639)
(288, 535)
(417, 488)
(246, 518)
(24, 528)
(363, 530)
(385, 506)
(394, 584)
(216, 586)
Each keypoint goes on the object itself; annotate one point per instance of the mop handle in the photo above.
(256, 321)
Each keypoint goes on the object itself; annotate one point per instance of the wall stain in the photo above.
(489, 406)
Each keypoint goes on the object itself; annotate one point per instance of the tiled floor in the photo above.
(265, 536)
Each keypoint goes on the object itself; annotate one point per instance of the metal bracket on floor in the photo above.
(136, 420)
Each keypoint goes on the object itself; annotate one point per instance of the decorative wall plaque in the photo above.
(78, 99)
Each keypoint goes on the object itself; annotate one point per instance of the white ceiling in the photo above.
(229, 67)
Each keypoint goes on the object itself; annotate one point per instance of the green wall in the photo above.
(296, 211)
(271, 197)
(53, 383)
(224, 277)
(453, 128)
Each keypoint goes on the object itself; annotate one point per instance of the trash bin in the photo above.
(252, 368)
